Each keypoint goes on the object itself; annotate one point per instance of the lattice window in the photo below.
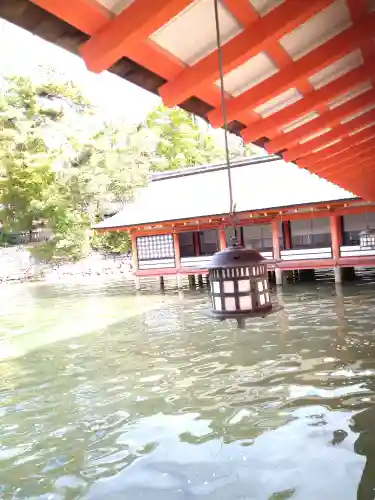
(155, 247)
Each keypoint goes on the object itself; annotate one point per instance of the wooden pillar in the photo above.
(222, 239)
(336, 235)
(177, 251)
(135, 260)
(336, 240)
(196, 243)
(287, 234)
(177, 258)
(276, 250)
(275, 239)
(134, 251)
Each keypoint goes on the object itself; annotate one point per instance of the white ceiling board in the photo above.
(336, 69)
(255, 70)
(317, 30)
(315, 135)
(348, 96)
(326, 145)
(279, 102)
(300, 121)
(263, 7)
(191, 35)
(115, 6)
(371, 124)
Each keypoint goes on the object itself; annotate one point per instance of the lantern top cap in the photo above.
(367, 231)
(235, 256)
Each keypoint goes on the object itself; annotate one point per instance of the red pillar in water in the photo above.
(336, 235)
(336, 241)
(222, 239)
(276, 250)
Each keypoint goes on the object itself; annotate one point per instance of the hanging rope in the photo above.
(224, 110)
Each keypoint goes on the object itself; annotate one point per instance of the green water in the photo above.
(108, 395)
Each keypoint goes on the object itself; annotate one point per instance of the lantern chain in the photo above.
(232, 206)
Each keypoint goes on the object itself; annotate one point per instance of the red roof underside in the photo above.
(298, 74)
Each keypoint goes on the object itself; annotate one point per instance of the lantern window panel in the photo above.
(245, 303)
(228, 287)
(244, 285)
(217, 304)
(230, 304)
(215, 287)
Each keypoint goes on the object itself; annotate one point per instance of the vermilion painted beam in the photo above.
(313, 62)
(323, 168)
(335, 149)
(89, 16)
(354, 166)
(326, 119)
(245, 14)
(338, 132)
(254, 39)
(350, 153)
(361, 157)
(309, 103)
(242, 10)
(129, 28)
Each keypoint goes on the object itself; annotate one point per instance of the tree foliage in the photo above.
(54, 170)
(180, 142)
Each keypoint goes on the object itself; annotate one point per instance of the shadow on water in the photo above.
(115, 395)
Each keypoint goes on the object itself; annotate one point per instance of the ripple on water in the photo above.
(144, 403)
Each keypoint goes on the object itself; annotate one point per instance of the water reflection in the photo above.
(110, 394)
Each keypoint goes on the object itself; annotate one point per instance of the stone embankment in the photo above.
(18, 265)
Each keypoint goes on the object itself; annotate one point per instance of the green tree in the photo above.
(53, 169)
(28, 112)
(180, 142)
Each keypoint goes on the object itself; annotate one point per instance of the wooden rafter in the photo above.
(309, 103)
(354, 152)
(89, 17)
(339, 132)
(129, 28)
(329, 118)
(316, 60)
(241, 48)
(323, 154)
(245, 14)
(354, 167)
(347, 162)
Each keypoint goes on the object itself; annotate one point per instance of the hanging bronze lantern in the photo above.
(367, 239)
(238, 276)
(239, 284)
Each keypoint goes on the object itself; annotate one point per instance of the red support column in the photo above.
(275, 239)
(287, 235)
(196, 243)
(177, 252)
(222, 239)
(336, 240)
(336, 235)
